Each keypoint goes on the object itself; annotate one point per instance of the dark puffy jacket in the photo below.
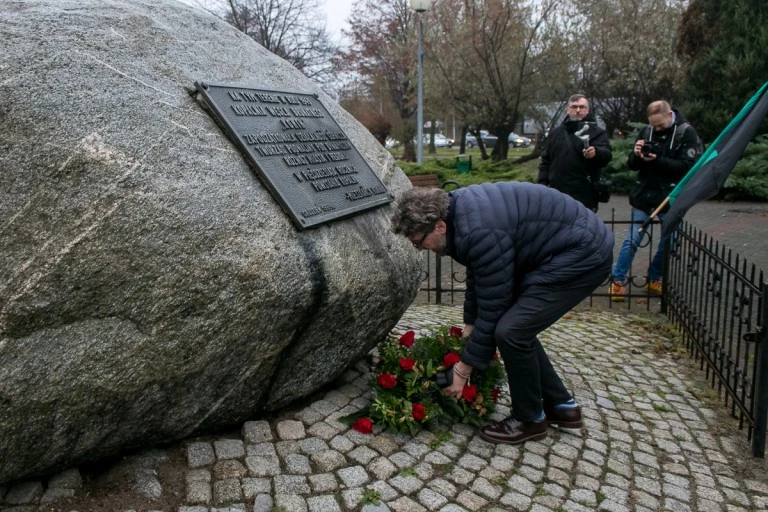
(564, 167)
(655, 180)
(512, 235)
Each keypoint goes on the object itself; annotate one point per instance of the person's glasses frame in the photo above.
(418, 245)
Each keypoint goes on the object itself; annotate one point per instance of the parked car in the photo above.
(441, 141)
(518, 141)
(488, 139)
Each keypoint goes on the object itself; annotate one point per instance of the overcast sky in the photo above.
(336, 11)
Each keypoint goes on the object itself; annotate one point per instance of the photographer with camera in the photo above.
(532, 254)
(664, 151)
(575, 153)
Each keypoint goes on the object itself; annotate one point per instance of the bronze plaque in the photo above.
(298, 151)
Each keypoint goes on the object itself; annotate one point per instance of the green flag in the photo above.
(707, 176)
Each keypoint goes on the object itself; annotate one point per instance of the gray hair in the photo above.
(419, 209)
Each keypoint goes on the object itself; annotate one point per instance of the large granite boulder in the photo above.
(150, 287)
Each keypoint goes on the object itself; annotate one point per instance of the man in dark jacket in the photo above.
(574, 154)
(664, 152)
(532, 254)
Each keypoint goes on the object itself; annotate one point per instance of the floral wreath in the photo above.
(407, 396)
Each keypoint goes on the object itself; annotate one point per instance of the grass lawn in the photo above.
(443, 163)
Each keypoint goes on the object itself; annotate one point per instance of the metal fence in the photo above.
(715, 298)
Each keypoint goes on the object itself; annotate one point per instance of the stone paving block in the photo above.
(229, 449)
(324, 503)
(227, 491)
(268, 465)
(437, 458)
(252, 487)
(322, 430)
(328, 460)
(443, 486)
(200, 454)
(291, 485)
(471, 500)
(352, 498)
(263, 503)
(24, 493)
(402, 460)
(612, 506)
(309, 416)
(297, 464)
(255, 432)
(406, 484)
(486, 489)
(677, 506)
(290, 430)
(199, 492)
(229, 469)
(471, 462)
(337, 398)
(362, 454)
(341, 444)
(193, 509)
(325, 407)
(354, 476)
(431, 500)
(386, 491)
(646, 500)
(405, 504)
(424, 471)
(324, 482)
(532, 474)
(416, 449)
(382, 468)
(515, 501)
(312, 445)
(284, 448)
(266, 449)
(291, 502)
(460, 476)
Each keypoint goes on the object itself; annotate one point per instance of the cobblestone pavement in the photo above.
(654, 440)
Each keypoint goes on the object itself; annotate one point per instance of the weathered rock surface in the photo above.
(150, 286)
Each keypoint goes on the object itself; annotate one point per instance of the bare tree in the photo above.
(383, 50)
(291, 29)
(497, 65)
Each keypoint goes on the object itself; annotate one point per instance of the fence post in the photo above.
(438, 279)
(665, 269)
(760, 401)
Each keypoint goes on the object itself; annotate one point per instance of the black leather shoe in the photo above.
(511, 431)
(564, 418)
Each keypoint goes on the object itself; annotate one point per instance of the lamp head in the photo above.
(420, 5)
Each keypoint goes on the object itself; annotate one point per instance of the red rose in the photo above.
(363, 425)
(450, 359)
(495, 356)
(407, 363)
(469, 393)
(387, 380)
(456, 331)
(495, 392)
(418, 412)
(407, 338)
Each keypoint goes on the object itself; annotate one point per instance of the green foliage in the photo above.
(749, 179)
(483, 171)
(727, 43)
(398, 391)
(371, 496)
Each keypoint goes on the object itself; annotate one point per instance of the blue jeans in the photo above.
(629, 248)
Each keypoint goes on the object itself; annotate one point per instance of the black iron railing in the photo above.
(718, 301)
(715, 298)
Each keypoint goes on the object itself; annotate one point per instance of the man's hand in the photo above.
(457, 386)
(467, 330)
(639, 151)
(590, 152)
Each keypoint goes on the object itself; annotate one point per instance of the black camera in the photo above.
(650, 147)
(444, 378)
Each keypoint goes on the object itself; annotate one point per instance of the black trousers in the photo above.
(533, 382)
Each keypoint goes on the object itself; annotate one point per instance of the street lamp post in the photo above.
(420, 6)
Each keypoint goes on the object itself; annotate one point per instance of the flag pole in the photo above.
(653, 215)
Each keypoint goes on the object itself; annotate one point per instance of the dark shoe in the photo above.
(564, 418)
(511, 431)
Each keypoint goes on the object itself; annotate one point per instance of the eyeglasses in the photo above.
(578, 107)
(420, 243)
